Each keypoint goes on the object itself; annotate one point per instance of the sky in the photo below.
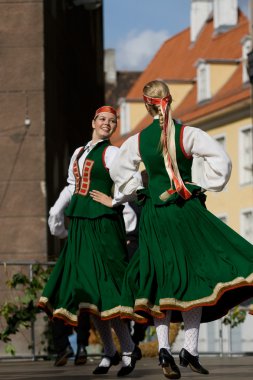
(137, 28)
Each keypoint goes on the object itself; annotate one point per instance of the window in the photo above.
(247, 224)
(203, 81)
(223, 218)
(221, 139)
(198, 162)
(246, 48)
(124, 118)
(245, 156)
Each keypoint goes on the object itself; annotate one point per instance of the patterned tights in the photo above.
(191, 320)
(122, 331)
(191, 327)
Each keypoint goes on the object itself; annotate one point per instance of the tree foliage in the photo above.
(23, 310)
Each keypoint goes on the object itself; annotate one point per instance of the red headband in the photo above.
(156, 101)
(105, 109)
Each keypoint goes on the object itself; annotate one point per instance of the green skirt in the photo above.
(187, 258)
(89, 273)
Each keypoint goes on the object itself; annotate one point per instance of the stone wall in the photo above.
(22, 155)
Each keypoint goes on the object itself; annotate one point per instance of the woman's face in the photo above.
(104, 125)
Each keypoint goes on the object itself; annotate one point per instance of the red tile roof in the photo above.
(177, 57)
(176, 60)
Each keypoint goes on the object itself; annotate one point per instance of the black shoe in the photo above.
(135, 355)
(62, 357)
(114, 360)
(139, 333)
(193, 361)
(167, 362)
(81, 355)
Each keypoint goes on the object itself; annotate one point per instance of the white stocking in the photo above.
(162, 330)
(191, 320)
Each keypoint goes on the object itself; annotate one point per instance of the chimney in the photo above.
(225, 15)
(110, 66)
(200, 12)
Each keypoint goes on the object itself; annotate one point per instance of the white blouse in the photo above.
(56, 213)
(197, 143)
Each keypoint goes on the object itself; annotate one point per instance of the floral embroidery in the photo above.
(83, 183)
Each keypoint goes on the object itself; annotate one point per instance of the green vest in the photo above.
(151, 154)
(94, 176)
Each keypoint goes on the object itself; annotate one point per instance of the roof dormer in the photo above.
(203, 81)
(212, 74)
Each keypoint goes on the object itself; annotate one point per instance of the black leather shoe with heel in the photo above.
(193, 361)
(114, 360)
(135, 355)
(81, 355)
(62, 357)
(167, 362)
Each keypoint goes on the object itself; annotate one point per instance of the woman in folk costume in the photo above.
(89, 272)
(190, 266)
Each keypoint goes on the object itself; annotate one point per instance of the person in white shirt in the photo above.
(190, 266)
(88, 275)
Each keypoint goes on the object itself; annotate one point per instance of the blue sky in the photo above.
(137, 28)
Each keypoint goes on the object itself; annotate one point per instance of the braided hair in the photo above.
(156, 89)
